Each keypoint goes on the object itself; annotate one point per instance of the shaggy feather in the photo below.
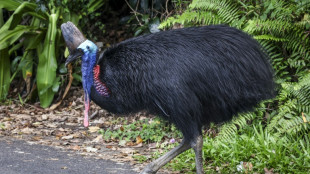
(190, 76)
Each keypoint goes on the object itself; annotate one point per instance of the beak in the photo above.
(75, 55)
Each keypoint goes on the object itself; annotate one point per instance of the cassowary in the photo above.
(190, 77)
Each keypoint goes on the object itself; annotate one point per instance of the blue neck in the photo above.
(87, 72)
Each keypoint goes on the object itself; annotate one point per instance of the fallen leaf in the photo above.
(138, 140)
(130, 143)
(44, 117)
(76, 147)
(36, 124)
(93, 129)
(36, 138)
(67, 137)
(27, 130)
(51, 125)
(109, 147)
(247, 166)
(91, 149)
(268, 171)
(97, 139)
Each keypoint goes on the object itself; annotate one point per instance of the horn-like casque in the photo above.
(72, 35)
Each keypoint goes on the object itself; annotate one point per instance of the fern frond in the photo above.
(269, 37)
(229, 129)
(227, 11)
(188, 18)
(274, 27)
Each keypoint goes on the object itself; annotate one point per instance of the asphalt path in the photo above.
(20, 157)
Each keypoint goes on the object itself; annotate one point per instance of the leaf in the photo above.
(93, 5)
(5, 73)
(55, 87)
(8, 37)
(91, 149)
(27, 64)
(33, 41)
(93, 129)
(25, 7)
(138, 140)
(46, 72)
(10, 5)
(68, 137)
(77, 77)
(62, 68)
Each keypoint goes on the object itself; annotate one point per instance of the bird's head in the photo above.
(78, 47)
(77, 44)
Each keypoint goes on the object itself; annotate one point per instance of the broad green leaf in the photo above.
(5, 73)
(24, 8)
(16, 17)
(8, 37)
(10, 5)
(31, 42)
(46, 72)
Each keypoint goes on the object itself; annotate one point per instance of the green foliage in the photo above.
(254, 146)
(293, 115)
(280, 138)
(282, 27)
(5, 73)
(149, 130)
(34, 28)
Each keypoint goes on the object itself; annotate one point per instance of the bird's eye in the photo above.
(87, 47)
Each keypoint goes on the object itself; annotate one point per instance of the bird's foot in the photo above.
(149, 169)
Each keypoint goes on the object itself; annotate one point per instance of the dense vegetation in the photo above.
(31, 42)
(278, 136)
(275, 137)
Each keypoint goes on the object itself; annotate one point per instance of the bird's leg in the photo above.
(197, 146)
(154, 166)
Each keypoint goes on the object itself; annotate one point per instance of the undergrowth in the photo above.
(149, 130)
(251, 150)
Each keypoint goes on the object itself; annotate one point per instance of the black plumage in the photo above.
(190, 77)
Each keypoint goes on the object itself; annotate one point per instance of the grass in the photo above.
(149, 130)
(251, 150)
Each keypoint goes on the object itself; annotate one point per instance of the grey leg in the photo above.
(197, 146)
(154, 166)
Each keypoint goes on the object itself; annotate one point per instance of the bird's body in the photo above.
(187, 76)
(190, 77)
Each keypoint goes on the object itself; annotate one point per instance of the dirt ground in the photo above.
(63, 128)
